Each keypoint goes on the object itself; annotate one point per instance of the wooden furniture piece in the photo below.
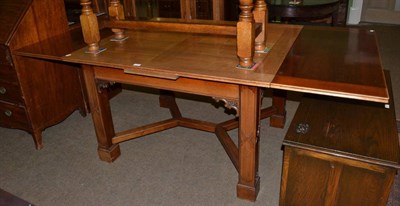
(217, 59)
(350, 68)
(340, 152)
(304, 9)
(34, 94)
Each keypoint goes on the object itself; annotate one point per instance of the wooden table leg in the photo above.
(249, 121)
(101, 114)
(279, 103)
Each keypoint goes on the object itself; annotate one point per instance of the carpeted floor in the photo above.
(175, 167)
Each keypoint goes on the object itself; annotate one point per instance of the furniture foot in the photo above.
(278, 102)
(248, 192)
(37, 138)
(110, 154)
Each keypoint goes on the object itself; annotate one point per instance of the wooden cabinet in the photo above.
(35, 94)
(340, 152)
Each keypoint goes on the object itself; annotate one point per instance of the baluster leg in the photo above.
(116, 12)
(90, 27)
(245, 35)
(260, 13)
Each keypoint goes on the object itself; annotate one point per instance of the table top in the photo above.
(199, 56)
(342, 62)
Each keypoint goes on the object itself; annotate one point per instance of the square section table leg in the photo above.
(249, 122)
(279, 103)
(101, 114)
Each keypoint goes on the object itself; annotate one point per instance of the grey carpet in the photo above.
(175, 167)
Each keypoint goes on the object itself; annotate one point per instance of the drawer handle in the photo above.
(8, 113)
(302, 128)
(3, 90)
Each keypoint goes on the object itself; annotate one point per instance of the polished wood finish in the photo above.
(350, 68)
(348, 156)
(35, 94)
(245, 29)
(170, 55)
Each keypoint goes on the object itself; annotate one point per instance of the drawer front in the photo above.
(13, 116)
(8, 74)
(10, 93)
(5, 57)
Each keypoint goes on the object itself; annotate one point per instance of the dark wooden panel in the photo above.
(341, 62)
(13, 116)
(359, 129)
(303, 172)
(363, 185)
(11, 12)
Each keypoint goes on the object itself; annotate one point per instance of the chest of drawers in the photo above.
(35, 94)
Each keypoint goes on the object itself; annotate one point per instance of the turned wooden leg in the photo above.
(90, 27)
(260, 13)
(101, 114)
(37, 138)
(279, 103)
(116, 12)
(245, 35)
(249, 121)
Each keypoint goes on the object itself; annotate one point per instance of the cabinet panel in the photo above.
(306, 186)
(363, 185)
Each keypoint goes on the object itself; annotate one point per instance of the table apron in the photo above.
(210, 88)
